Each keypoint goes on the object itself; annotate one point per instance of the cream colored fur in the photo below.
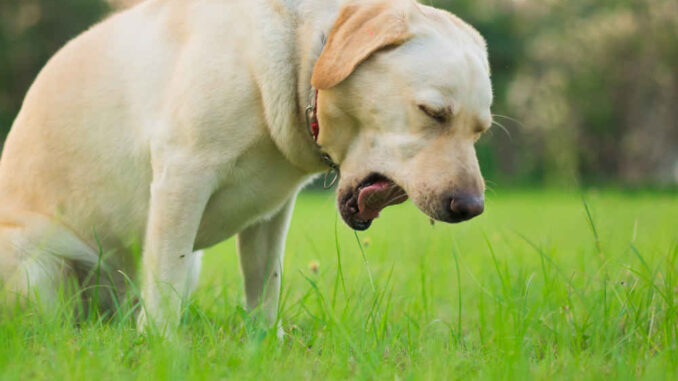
(176, 124)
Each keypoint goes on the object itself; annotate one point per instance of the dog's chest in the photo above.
(258, 186)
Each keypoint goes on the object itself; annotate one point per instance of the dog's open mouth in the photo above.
(361, 205)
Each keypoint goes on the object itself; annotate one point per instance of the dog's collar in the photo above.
(313, 127)
(312, 115)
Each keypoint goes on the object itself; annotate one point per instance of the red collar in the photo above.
(315, 125)
(312, 116)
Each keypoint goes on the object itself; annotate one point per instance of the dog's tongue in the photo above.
(375, 197)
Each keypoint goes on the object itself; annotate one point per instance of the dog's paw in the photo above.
(155, 327)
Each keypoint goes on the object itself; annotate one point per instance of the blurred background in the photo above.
(586, 90)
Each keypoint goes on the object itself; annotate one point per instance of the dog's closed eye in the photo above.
(439, 114)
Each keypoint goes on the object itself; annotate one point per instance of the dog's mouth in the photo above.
(359, 206)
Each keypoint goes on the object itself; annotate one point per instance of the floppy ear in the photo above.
(360, 30)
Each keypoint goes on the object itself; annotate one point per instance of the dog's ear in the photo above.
(361, 29)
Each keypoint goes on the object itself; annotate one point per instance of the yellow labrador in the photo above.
(175, 125)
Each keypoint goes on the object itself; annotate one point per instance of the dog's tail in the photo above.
(39, 257)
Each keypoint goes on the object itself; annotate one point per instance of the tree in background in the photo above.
(31, 31)
(598, 88)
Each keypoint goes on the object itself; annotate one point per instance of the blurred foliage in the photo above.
(31, 31)
(587, 89)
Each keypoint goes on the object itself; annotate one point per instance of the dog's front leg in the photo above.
(261, 247)
(179, 195)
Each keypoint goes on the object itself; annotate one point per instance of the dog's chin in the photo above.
(360, 205)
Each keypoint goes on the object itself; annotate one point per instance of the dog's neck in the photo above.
(287, 94)
(314, 19)
(314, 24)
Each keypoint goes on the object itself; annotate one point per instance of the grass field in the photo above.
(537, 287)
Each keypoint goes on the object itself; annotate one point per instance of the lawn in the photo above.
(543, 285)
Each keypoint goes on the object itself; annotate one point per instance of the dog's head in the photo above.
(404, 93)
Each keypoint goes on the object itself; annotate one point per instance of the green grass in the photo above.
(537, 287)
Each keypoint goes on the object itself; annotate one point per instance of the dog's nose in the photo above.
(465, 206)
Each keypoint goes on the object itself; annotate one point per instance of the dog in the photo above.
(175, 124)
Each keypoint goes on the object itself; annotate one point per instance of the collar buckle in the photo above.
(332, 174)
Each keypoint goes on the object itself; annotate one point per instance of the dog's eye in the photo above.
(440, 115)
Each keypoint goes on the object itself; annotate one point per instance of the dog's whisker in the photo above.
(503, 128)
(394, 190)
(397, 198)
(393, 193)
(521, 124)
